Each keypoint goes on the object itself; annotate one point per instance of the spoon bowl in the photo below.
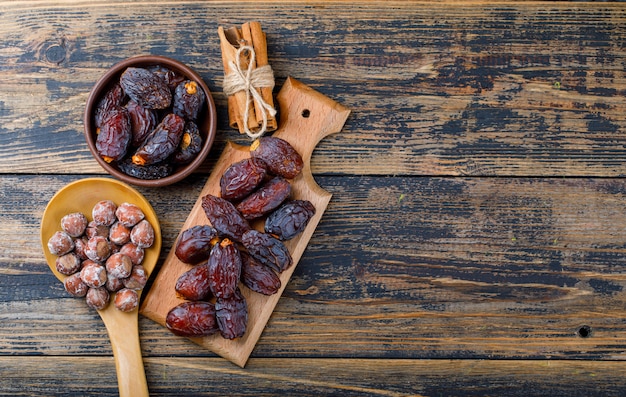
(122, 327)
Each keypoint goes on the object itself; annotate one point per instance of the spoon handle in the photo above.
(124, 336)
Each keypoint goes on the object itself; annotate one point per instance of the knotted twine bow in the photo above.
(248, 81)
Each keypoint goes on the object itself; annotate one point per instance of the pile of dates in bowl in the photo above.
(150, 121)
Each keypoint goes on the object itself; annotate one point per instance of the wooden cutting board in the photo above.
(306, 116)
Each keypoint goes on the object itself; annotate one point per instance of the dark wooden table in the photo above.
(475, 241)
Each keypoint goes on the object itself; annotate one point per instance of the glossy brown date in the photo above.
(193, 285)
(257, 276)
(241, 178)
(224, 269)
(281, 158)
(146, 88)
(192, 319)
(142, 122)
(161, 142)
(194, 244)
(232, 315)
(114, 137)
(188, 99)
(290, 219)
(265, 199)
(268, 250)
(224, 217)
(112, 99)
(190, 144)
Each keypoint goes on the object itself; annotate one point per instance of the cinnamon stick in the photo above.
(231, 40)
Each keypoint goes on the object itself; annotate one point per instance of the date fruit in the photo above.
(114, 137)
(265, 199)
(188, 100)
(290, 219)
(232, 315)
(194, 285)
(190, 144)
(224, 268)
(257, 276)
(224, 217)
(146, 88)
(281, 158)
(241, 178)
(142, 122)
(192, 319)
(268, 250)
(112, 99)
(161, 142)
(195, 243)
(146, 172)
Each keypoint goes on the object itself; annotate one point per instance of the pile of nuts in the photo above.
(229, 251)
(104, 256)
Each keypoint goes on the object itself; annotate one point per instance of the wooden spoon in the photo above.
(306, 117)
(122, 327)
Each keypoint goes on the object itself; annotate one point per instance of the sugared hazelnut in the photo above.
(68, 264)
(103, 213)
(98, 249)
(60, 243)
(119, 265)
(75, 286)
(74, 224)
(142, 234)
(126, 300)
(119, 234)
(93, 274)
(97, 298)
(129, 214)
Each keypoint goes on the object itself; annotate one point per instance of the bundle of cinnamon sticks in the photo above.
(246, 112)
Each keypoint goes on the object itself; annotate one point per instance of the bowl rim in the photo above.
(149, 60)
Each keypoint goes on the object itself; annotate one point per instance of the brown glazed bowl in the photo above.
(206, 121)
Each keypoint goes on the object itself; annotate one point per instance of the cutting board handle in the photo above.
(304, 109)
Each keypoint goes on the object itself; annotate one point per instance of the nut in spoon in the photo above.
(122, 327)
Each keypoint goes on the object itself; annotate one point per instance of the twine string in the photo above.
(248, 81)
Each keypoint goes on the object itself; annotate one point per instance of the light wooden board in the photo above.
(306, 117)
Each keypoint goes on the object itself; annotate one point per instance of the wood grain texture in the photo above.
(509, 88)
(397, 267)
(474, 241)
(321, 377)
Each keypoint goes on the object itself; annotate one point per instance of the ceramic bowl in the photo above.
(206, 121)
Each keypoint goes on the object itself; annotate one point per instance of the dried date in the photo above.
(224, 217)
(114, 135)
(241, 178)
(188, 99)
(195, 243)
(281, 158)
(112, 99)
(193, 284)
(232, 315)
(290, 219)
(268, 250)
(257, 276)
(161, 142)
(146, 172)
(224, 268)
(190, 144)
(142, 122)
(265, 199)
(146, 88)
(192, 319)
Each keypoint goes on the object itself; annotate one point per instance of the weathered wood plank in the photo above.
(398, 267)
(473, 88)
(193, 376)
